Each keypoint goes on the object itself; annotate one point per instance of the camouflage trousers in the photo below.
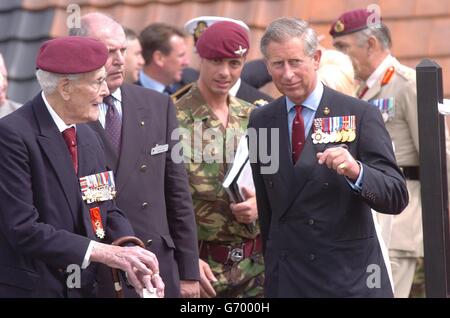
(244, 279)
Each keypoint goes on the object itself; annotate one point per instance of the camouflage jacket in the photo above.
(208, 149)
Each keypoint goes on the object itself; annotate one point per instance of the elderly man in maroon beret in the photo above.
(231, 262)
(57, 209)
(391, 87)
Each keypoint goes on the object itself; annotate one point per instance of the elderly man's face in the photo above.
(86, 94)
(293, 73)
(220, 75)
(115, 41)
(358, 53)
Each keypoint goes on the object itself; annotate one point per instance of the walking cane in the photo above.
(115, 272)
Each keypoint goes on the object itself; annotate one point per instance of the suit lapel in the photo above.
(86, 158)
(133, 138)
(112, 157)
(307, 161)
(54, 147)
(285, 175)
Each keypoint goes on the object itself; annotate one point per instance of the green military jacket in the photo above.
(208, 149)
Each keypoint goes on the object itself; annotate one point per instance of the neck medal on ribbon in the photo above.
(98, 187)
(334, 129)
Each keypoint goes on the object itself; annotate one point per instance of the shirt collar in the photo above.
(149, 82)
(58, 120)
(117, 94)
(234, 89)
(373, 78)
(312, 101)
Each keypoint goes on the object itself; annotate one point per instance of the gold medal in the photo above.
(338, 136)
(351, 135)
(317, 137)
(344, 134)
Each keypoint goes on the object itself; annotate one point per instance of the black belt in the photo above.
(411, 173)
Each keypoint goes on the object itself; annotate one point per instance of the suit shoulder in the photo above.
(405, 73)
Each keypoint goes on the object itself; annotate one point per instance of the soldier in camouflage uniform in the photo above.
(228, 232)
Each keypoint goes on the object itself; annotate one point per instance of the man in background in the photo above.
(165, 53)
(6, 105)
(133, 57)
(391, 87)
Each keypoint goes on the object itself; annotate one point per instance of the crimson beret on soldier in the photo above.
(223, 40)
(351, 21)
(71, 55)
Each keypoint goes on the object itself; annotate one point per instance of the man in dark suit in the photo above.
(151, 188)
(315, 208)
(56, 208)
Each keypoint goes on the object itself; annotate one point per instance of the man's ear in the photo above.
(317, 56)
(65, 88)
(158, 58)
(372, 43)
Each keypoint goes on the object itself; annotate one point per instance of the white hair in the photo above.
(49, 81)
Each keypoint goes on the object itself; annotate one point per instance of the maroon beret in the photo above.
(223, 40)
(352, 21)
(71, 55)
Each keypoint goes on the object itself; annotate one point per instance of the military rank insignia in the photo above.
(386, 107)
(334, 129)
(98, 187)
(96, 220)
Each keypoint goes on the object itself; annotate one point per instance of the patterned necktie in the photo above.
(298, 134)
(70, 137)
(113, 123)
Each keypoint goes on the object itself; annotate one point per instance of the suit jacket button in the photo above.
(312, 257)
(144, 205)
(311, 222)
(143, 168)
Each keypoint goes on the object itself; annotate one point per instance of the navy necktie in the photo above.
(70, 137)
(113, 123)
(298, 134)
(168, 90)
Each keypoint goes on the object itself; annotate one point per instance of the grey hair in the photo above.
(49, 81)
(283, 29)
(380, 32)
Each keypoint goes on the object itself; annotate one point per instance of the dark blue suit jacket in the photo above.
(152, 189)
(44, 223)
(318, 234)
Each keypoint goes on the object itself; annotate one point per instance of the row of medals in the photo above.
(343, 135)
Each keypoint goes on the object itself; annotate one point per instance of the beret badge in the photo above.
(339, 26)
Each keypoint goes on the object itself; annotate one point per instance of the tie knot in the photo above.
(168, 90)
(70, 137)
(298, 108)
(109, 100)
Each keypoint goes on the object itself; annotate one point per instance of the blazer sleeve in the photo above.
(384, 186)
(20, 222)
(180, 213)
